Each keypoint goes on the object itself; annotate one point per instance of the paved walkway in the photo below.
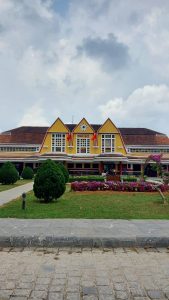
(83, 233)
(14, 193)
(60, 274)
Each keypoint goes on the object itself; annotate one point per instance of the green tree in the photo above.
(49, 181)
(27, 173)
(8, 173)
(64, 171)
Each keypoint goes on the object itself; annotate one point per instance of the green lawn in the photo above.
(4, 187)
(96, 205)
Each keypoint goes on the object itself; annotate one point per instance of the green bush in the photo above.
(8, 173)
(49, 181)
(86, 178)
(64, 171)
(129, 178)
(27, 173)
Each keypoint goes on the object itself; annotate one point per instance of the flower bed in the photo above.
(116, 186)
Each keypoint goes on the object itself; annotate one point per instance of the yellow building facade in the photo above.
(84, 148)
(83, 145)
(83, 139)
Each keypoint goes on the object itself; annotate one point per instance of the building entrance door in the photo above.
(109, 167)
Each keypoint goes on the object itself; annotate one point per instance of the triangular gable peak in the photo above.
(109, 127)
(58, 126)
(83, 127)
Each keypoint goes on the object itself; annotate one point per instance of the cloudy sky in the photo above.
(90, 58)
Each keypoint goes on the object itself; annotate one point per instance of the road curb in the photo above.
(73, 241)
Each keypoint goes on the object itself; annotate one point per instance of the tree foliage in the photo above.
(64, 171)
(27, 173)
(49, 181)
(8, 173)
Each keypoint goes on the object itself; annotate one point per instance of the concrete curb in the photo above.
(73, 241)
(83, 233)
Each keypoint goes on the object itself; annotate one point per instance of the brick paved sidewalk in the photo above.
(84, 274)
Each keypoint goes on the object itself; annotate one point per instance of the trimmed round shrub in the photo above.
(64, 171)
(8, 173)
(49, 182)
(27, 173)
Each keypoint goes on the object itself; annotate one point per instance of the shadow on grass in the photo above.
(41, 201)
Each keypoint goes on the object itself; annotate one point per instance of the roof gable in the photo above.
(58, 126)
(83, 127)
(108, 127)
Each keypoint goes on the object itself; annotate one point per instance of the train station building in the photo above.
(84, 148)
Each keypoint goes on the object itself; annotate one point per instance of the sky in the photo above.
(92, 58)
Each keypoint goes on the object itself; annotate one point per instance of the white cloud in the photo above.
(38, 59)
(5, 5)
(42, 8)
(145, 107)
(34, 116)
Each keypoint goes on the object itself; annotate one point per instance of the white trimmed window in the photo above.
(108, 143)
(58, 142)
(19, 149)
(83, 144)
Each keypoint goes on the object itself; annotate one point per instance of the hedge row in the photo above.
(99, 178)
(116, 186)
(86, 178)
(129, 179)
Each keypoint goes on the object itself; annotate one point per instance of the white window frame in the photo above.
(60, 143)
(18, 148)
(82, 142)
(112, 146)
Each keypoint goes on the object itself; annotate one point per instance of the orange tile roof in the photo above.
(24, 135)
(146, 140)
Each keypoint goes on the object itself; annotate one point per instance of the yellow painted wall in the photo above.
(108, 127)
(77, 130)
(93, 150)
(57, 126)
